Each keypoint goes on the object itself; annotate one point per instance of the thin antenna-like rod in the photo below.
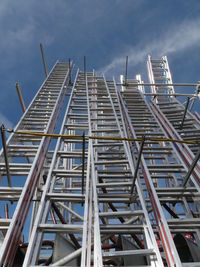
(6, 211)
(5, 154)
(21, 100)
(84, 66)
(70, 73)
(43, 60)
(126, 70)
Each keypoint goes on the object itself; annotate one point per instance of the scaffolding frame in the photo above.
(122, 182)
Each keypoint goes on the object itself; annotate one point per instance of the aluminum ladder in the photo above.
(26, 156)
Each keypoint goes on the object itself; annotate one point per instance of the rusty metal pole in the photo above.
(20, 97)
(5, 154)
(43, 60)
(84, 66)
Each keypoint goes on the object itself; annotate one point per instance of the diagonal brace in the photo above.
(43, 60)
(190, 170)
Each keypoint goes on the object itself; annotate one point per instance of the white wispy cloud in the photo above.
(21, 27)
(175, 40)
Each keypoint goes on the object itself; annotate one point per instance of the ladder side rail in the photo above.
(86, 240)
(168, 74)
(87, 227)
(12, 238)
(97, 242)
(33, 247)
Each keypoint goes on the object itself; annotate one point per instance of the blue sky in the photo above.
(105, 31)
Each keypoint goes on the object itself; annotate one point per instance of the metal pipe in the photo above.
(20, 97)
(43, 60)
(5, 154)
(6, 211)
(197, 156)
(70, 74)
(84, 66)
(126, 70)
(184, 114)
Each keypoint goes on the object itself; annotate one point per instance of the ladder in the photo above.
(22, 161)
(180, 124)
(160, 76)
(61, 218)
(163, 174)
(97, 233)
(120, 215)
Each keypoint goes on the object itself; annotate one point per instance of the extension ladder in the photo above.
(26, 157)
(163, 172)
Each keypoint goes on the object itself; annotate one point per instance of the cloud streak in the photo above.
(176, 40)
